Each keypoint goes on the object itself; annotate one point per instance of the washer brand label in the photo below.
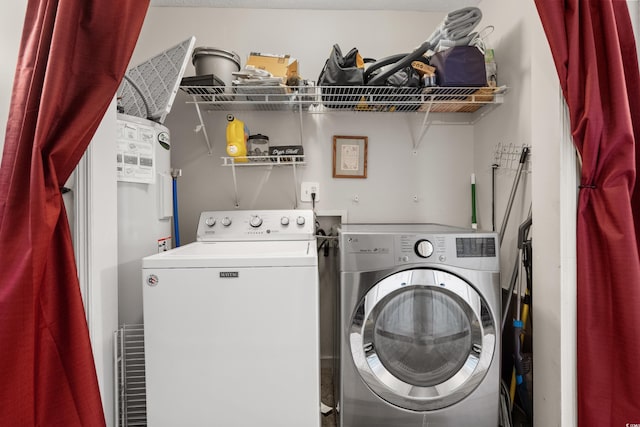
(229, 274)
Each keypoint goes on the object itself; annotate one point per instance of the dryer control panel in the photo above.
(379, 246)
(469, 251)
(216, 226)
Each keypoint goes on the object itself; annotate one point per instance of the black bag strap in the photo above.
(379, 79)
(381, 63)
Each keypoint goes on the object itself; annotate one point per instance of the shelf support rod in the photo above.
(424, 127)
(295, 185)
(265, 178)
(202, 127)
(235, 182)
(300, 121)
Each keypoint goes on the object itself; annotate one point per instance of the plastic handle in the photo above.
(380, 78)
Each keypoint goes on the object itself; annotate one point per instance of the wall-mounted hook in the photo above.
(356, 198)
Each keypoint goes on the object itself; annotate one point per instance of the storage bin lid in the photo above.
(213, 51)
(259, 136)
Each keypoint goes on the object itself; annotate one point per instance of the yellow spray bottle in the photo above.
(237, 134)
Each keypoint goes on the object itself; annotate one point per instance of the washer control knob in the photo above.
(255, 221)
(210, 222)
(226, 221)
(424, 248)
(284, 220)
(300, 220)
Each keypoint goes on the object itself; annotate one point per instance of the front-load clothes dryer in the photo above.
(231, 325)
(419, 327)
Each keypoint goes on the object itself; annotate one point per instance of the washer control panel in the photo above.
(256, 225)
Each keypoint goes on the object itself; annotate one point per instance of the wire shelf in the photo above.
(506, 157)
(319, 99)
(130, 371)
(287, 160)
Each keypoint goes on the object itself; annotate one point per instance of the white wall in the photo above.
(534, 116)
(509, 124)
(11, 20)
(101, 245)
(438, 173)
(554, 194)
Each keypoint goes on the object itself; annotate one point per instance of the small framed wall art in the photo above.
(350, 156)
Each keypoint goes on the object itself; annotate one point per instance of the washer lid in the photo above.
(296, 253)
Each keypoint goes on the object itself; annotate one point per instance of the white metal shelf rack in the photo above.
(337, 99)
(331, 99)
(268, 162)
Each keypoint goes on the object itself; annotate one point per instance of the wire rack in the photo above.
(507, 157)
(285, 160)
(351, 98)
(131, 409)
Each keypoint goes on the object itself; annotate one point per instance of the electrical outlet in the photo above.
(307, 188)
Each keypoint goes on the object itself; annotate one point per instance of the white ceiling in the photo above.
(411, 5)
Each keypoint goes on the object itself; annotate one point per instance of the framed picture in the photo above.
(350, 156)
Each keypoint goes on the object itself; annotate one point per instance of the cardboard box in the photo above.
(279, 65)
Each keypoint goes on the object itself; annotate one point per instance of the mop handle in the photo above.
(505, 220)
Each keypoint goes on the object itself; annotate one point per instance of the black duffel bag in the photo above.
(340, 71)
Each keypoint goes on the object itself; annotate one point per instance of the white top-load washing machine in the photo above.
(231, 324)
(419, 329)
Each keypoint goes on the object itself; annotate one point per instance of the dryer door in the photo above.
(422, 339)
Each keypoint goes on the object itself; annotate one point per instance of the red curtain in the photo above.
(72, 57)
(594, 51)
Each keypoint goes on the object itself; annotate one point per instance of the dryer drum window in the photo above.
(422, 339)
(422, 335)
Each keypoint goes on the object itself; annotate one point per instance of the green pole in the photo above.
(474, 222)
